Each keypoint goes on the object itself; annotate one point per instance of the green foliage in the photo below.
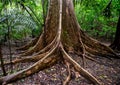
(17, 23)
(26, 17)
(22, 17)
(92, 20)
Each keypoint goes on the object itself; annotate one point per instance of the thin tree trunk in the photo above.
(9, 44)
(45, 9)
(2, 62)
(116, 43)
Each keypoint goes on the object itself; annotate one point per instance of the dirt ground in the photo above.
(106, 71)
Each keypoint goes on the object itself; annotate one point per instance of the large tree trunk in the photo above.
(116, 44)
(62, 35)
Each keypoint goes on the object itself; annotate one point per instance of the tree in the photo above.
(107, 11)
(116, 44)
(2, 61)
(63, 36)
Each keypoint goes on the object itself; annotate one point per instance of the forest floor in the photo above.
(106, 71)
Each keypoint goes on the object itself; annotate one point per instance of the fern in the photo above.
(19, 22)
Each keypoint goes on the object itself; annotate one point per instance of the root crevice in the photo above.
(78, 68)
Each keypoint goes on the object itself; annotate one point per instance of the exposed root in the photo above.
(23, 60)
(78, 68)
(92, 59)
(83, 49)
(48, 47)
(38, 46)
(34, 58)
(84, 61)
(40, 65)
(95, 47)
(66, 82)
(46, 61)
(87, 56)
(28, 45)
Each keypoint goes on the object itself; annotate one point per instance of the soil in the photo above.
(106, 70)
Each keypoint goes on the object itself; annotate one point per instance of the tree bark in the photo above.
(116, 44)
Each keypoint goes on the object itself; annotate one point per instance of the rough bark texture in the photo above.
(28, 45)
(116, 44)
(62, 35)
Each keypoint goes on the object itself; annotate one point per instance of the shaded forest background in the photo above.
(26, 18)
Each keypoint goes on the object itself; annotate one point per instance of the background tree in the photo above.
(92, 13)
(2, 62)
(22, 18)
(116, 43)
